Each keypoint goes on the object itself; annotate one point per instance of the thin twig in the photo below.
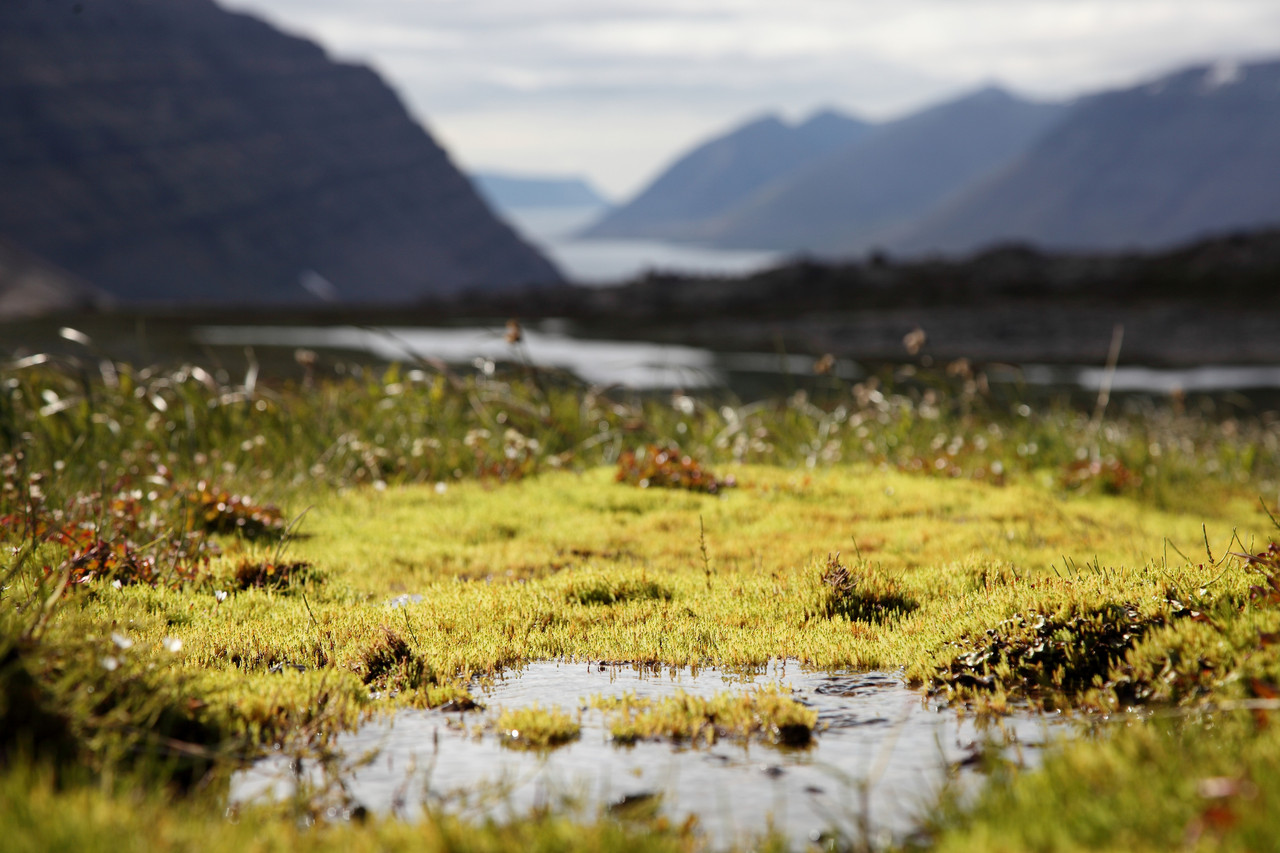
(702, 543)
(1109, 374)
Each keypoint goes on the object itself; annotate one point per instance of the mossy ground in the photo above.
(497, 577)
(503, 576)
(1013, 577)
(536, 728)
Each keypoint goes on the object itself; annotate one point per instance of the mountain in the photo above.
(518, 192)
(30, 286)
(1193, 153)
(853, 198)
(171, 150)
(721, 173)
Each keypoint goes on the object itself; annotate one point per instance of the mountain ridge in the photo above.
(1192, 153)
(170, 150)
(724, 170)
(1189, 154)
(842, 198)
(849, 201)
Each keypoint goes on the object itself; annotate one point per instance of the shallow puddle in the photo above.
(874, 736)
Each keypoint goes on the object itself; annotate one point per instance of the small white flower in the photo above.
(122, 642)
(173, 645)
(117, 584)
(220, 595)
(110, 663)
(441, 488)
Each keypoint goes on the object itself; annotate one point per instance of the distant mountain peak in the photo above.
(1191, 153)
(856, 197)
(988, 94)
(828, 117)
(764, 120)
(1225, 72)
(1194, 151)
(724, 170)
(1210, 78)
(991, 91)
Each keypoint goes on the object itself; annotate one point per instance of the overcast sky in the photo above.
(613, 89)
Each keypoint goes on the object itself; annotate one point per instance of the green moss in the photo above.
(941, 563)
(390, 664)
(994, 554)
(1199, 783)
(603, 589)
(536, 728)
(860, 596)
(108, 816)
(767, 712)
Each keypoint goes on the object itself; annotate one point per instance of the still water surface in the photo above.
(874, 734)
(603, 263)
(637, 364)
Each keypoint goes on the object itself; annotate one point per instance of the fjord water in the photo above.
(598, 262)
(875, 736)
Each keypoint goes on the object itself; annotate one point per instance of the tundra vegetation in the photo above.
(197, 571)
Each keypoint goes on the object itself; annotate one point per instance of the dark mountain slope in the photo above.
(170, 150)
(720, 173)
(1194, 153)
(853, 198)
(31, 286)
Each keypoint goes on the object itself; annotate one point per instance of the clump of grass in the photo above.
(1110, 476)
(665, 467)
(91, 420)
(102, 706)
(120, 536)
(1065, 653)
(269, 574)
(91, 558)
(1267, 564)
(1192, 783)
(536, 728)
(605, 589)
(219, 511)
(390, 664)
(127, 815)
(768, 713)
(860, 596)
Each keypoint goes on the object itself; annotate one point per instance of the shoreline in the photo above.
(1212, 303)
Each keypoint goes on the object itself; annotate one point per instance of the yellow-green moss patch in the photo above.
(768, 712)
(536, 727)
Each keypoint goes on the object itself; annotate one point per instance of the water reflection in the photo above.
(634, 364)
(638, 364)
(875, 735)
(1195, 379)
(1147, 380)
(603, 263)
